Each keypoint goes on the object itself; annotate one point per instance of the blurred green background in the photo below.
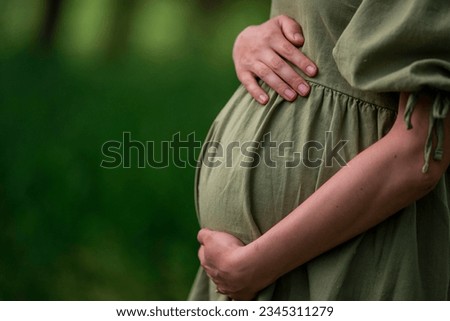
(73, 75)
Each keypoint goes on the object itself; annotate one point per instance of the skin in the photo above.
(261, 52)
(376, 184)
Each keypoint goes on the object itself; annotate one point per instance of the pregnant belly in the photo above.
(261, 162)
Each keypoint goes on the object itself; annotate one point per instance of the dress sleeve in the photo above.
(398, 45)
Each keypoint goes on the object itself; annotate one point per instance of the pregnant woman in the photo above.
(337, 188)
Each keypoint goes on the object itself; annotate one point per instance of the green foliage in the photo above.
(71, 230)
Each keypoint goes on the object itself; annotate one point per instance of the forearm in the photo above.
(377, 183)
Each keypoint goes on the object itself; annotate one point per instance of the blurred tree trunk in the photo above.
(121, 24)
(49, 27)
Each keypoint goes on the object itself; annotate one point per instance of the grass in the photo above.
(72, 230)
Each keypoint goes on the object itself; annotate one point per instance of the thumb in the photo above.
(291, 30)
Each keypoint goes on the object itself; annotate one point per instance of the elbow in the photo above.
(408, 166)
(425, 182)
(436, 170)
(411, 145)
(410, 163)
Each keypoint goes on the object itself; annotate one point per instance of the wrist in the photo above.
(258, 266)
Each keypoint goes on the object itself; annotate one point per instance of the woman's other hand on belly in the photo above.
(223, 258)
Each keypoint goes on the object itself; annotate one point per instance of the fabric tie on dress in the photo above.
(438, 112)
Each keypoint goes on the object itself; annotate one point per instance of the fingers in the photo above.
(291, 30)
(295, 56)
(269, 52)
(201, 254)
(202, 235)
(203, 263)
(289, 82)
(293, 33)
(249, 81)
(277, 74)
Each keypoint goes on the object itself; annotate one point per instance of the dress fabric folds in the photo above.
(367, 52)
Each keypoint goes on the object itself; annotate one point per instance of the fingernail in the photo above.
(311, 70)
(262, 99)
(289, 93)
(298, 37)
(303, 89)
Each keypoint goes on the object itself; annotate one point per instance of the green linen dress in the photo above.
(367, 51)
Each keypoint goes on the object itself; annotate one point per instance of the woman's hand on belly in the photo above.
(223, 258)
(262, 51)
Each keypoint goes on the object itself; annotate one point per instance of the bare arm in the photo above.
(377, 183)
